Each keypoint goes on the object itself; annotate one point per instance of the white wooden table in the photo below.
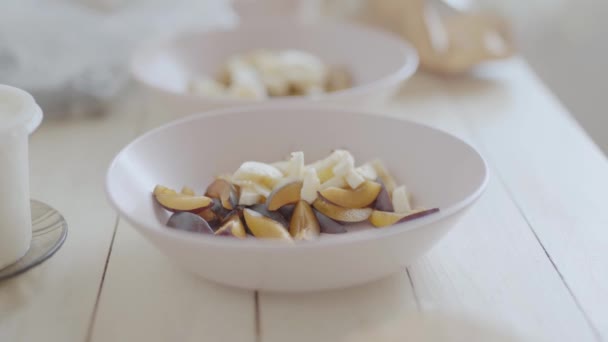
(532, 254)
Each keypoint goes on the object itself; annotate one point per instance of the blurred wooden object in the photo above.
(449, 40)
(450, 35)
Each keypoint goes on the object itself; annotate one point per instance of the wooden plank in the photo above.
(554, 173)
(333, 315)
(147, 298)
(54, 301)
(491, 265)
(492, 268)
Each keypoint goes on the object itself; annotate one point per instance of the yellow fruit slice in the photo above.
(283, 195)
(339, 213)
(384, 218)
(360, 197)
(304, 224)
(265, 227)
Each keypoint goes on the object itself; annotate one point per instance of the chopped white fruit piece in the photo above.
(268, 66)
(367, 171)
(260, 189)
(207, 87)
(249, 197)
(262, 73)
(296, 166)
(338, 182)
(282, 166)
(284, 181)
(244, 80)
(253, 187)
(257, 172)
(329, 161)
(345, 165)
(354, 179)
(325, 167)
(310, 185)
(302, 69)
(384, 175)
(401, 203)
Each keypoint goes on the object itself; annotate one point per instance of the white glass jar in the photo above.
(19, 116)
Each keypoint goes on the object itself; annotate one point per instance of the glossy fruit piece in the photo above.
(360, 197)
(225, 192)
(304, 224)
(189, 222)
(327, 225)
(215, 213)
(209, 216)
(159, 189)
(233, 226)
(219, 209)
(401, 201)
(265, 227)
(338, 182)
(287, 210)
(257, 188)
(339, 213)
(325, 167)
(386, 178)
(288, 193)
(275, 215)
(187, 191)
(325, 175)
(384, 218)
(310, 185)
(249, 196)
(367, 171)
(383, 201)
(296, 167)
(282, 166)
(257, 172)
(172, 201)
(354, 179)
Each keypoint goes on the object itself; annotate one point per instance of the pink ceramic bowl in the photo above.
(379, 61)
(439, 169)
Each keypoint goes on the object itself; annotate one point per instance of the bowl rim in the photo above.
(349, 238)
(405, 71)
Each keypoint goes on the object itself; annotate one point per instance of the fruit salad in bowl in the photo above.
(263, 73)
(371, 182)
(289, 200)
